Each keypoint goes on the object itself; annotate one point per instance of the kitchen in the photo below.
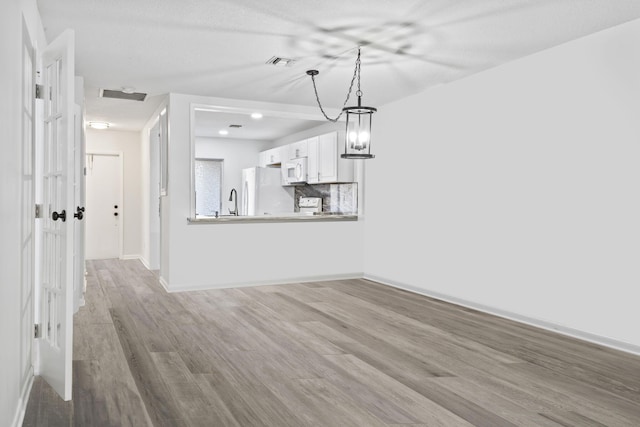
(206, 252)
(257, 167)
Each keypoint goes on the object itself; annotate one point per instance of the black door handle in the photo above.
(115, 214)
(79, 213)
(62, 215)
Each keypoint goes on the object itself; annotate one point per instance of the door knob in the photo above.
(115, 214)
(62, 215)
(79, 213)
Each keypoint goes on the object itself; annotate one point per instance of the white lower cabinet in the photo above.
(324, 163)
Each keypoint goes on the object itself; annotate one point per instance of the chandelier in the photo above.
(357, 138)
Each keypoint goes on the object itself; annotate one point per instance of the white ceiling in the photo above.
(219, 48)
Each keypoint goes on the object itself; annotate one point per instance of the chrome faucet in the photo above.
(231, 198)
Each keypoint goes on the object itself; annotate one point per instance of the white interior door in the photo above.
(104, 206)
(79, 284)
(27, 234)
(56, 294)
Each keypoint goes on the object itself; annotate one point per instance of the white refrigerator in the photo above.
(263, 193)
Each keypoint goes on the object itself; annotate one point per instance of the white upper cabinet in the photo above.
(262, 159)
(324, 163)
(298, 149)
(274, 156)
(313, 174)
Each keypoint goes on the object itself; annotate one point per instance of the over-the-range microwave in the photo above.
(294, 171)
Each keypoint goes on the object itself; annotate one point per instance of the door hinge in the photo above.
(38, 211)
(39, 91)
(37, 331)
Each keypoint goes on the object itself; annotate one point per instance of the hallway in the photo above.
(342, 353)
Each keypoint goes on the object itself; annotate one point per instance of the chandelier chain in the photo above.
(356, 72)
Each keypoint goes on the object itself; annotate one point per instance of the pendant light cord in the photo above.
(356, 72)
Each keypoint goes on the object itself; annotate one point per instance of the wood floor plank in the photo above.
(400, 320)
(523, 341)
(418, 408)
(90, 408)
(318, 403)
(217, 413)
(569, 419)
(331, 353)
(45, 408)
(250, 402)
(160, 404)
(485, 397)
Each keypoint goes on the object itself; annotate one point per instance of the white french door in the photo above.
(79, 282)
(27, 232)
(56, 287)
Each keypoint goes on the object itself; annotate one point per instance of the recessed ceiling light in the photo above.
(99, 125)
(256, 116)
(223, 132)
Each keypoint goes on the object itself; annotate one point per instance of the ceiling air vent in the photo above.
(235, 126)
(118, 94)
(280, 62)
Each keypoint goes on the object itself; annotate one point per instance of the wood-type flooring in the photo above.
(337, 353)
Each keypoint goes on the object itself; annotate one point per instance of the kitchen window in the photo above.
(208, 180)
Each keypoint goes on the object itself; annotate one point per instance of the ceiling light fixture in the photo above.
(99, 125)
(223, 132)
(357, 139)
(256, 116)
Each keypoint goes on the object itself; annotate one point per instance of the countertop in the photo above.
(281, 217)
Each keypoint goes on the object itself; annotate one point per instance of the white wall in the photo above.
(129, 143)
(219, 255)
(322, 128)
(237, 155)
(12, 392)
(10, 36)
(517, 188)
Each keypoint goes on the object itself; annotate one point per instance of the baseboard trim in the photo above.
(283, 281)
(21, 409)
(126, 257)
(543, 324)
(144, 262)
(164, 284)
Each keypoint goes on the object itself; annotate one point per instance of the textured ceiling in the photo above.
(219, 48)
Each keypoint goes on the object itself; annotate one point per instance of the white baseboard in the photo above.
(283, 281)
(164, 284)
(144, 262)
(18, 419)
(138, 257)
(543, 324)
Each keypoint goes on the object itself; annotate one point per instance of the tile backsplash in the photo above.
(336, 198)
